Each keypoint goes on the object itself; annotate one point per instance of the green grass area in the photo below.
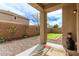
(53, 35)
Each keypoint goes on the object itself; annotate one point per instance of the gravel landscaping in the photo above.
(15, 47)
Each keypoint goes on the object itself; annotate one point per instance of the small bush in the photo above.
(2, 39)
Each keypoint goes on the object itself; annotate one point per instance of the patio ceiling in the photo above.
(48, 7)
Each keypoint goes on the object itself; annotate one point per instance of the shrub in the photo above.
(2, 39)
(12, 29)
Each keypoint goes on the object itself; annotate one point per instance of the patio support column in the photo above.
(43, 27)
(77, 26)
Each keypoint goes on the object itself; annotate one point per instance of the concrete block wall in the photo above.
(9, 19)
(33, 30)
(5, 30)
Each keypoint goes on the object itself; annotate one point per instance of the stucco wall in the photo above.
(69, 22)
(12, 18)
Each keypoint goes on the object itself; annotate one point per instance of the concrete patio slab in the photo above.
(56, 50)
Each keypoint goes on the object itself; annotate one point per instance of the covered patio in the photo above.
(70, 21)
(39, 46)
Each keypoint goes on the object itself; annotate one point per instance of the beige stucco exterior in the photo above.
(77, 26)
(9, 17)
(69, 21)
(43, 27)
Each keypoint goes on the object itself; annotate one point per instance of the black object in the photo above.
(70, 42)
(15, 17)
